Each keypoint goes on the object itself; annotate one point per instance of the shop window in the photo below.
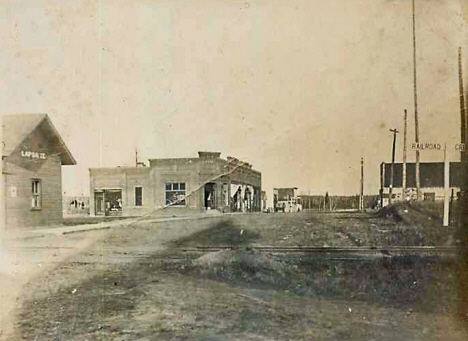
(113, 199)
(36, 191)
(138, 196)
(175, 194)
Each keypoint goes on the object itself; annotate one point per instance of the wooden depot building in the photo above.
(33, 156)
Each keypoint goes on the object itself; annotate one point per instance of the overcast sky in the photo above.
(302, 89)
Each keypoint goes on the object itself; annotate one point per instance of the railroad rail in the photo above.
(382, 251)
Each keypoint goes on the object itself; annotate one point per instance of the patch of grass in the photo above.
(401, 224)
(425, 283)
(223, 232)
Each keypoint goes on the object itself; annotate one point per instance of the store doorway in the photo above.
(99, 203)
(210, 196)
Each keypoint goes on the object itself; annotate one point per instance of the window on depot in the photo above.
(36, 194)
(175, 194)
(138, 196)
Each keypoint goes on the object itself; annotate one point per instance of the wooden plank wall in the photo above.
(18, 208)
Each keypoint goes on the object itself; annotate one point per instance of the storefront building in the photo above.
(33, 156)
(204, 183)
(431, 181)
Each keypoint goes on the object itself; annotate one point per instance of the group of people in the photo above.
(76, 204)
(242, 200)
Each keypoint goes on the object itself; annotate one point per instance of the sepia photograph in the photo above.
(234, 170)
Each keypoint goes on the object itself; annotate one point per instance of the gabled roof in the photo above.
(18, 127)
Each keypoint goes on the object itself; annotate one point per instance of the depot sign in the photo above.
(426, 146)
(33, 155)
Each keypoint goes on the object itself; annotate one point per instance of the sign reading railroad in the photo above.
(426, 146)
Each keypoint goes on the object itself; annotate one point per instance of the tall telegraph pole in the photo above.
(361, 197)
(416, 122)
(462, 100)
(463, 213)
(2, 181)
(394, 131)
(403, 194)
(463, 130)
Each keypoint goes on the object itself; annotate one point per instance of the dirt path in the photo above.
(29, 259)
(30, 255)
(26, 258)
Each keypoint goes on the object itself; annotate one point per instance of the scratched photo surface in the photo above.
(233, 170)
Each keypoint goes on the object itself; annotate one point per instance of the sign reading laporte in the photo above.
(33, 155)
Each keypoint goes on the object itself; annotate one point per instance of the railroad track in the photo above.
(388, 251)
(184, 254)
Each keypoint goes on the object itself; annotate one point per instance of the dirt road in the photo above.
(25, 258)
(130, 283)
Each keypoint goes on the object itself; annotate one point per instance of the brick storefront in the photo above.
(204, 183)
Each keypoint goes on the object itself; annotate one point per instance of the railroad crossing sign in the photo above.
(460, 147)
(426, 146)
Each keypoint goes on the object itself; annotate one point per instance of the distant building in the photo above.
(286, 200)
(204, 183)
(33, 156)
(431, 181)
(282, 194)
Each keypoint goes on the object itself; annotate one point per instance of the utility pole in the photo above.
(2, 181)
(462, 100)
(361, 197)
(463, 201)
(463, 214)
(403, 194)
(463, 140)
(463, 131)
(446, 188)
(394, 131)
(416, 122)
